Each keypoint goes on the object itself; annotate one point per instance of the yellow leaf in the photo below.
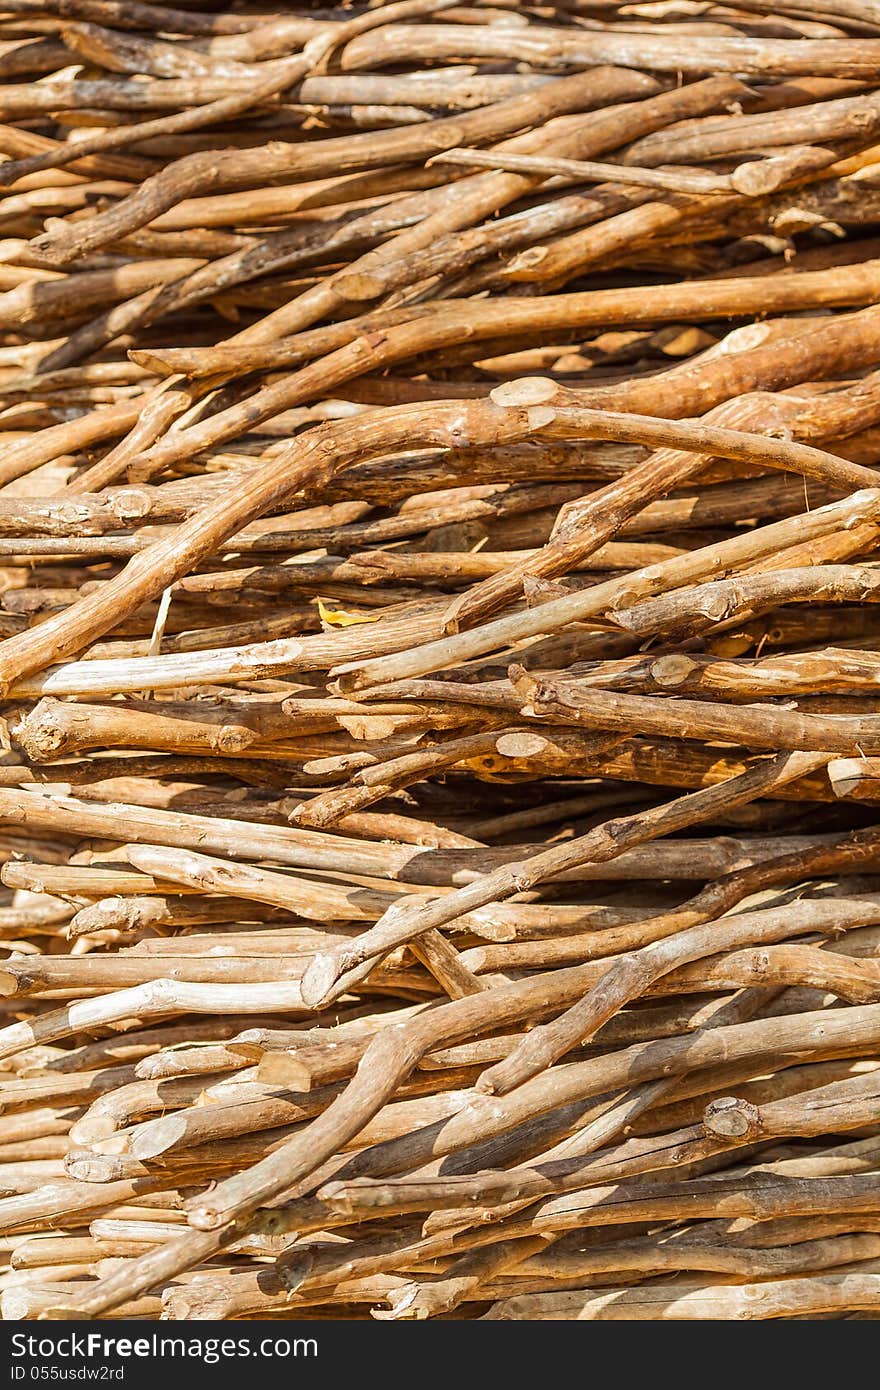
(337, 617)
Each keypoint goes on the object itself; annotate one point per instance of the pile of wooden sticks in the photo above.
(439, 518)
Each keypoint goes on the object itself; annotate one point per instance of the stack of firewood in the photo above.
(439, 519)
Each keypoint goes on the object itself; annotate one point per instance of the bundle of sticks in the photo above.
(439, 455)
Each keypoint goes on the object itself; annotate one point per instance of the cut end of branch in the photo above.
(527, 390)
(158, 1136)
(847, 775)
(672, 670)
(728, 1117)
(284, 1069)
(360, 286)
(319, 979)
